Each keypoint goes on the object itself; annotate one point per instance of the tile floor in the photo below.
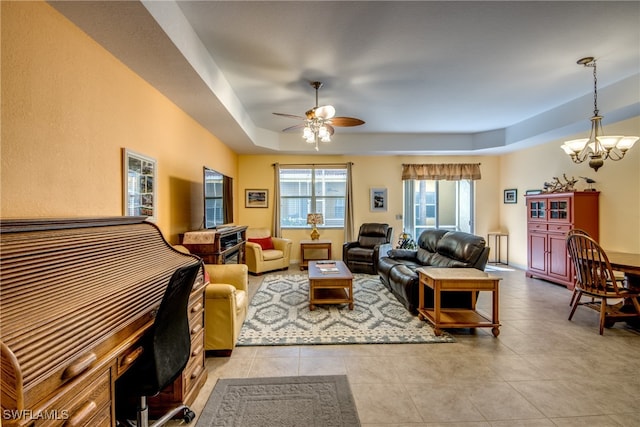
(542, 370)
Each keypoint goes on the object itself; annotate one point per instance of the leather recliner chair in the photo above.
(362, 255)
(436, 248)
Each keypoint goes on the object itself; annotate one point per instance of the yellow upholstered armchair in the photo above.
(266, 253)
(226, 302)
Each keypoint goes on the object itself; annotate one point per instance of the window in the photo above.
(312, 190)
(438, 204)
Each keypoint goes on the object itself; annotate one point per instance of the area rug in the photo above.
(322, 401)
(279, 315)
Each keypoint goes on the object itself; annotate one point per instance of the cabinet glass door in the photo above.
(559, 209)
(537, 209)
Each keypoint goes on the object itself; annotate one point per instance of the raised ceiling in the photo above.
(427, 77)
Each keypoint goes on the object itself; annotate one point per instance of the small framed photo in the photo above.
(139, 185)
(256, 198)
(532, 192)
(511, 196)
(378, 199)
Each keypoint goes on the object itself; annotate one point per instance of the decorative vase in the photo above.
(315, 235)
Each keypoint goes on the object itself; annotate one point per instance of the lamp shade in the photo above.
(315, 218)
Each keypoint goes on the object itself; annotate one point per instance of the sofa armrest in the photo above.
(481, 263)
(384, 249)
(406, 254)
(283, 245)
(219, 291)
(231, 274)
(346, 246)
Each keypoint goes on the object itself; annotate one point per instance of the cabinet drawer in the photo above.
(559, 228)
(537, 227)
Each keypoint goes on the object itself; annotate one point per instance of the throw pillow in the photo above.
(265, 243)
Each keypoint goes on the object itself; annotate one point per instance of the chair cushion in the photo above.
(265, 243)
(271, 254)
(358, 254)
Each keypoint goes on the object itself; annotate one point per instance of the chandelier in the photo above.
(598, 147)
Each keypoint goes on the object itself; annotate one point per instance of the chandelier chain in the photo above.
(595, 90)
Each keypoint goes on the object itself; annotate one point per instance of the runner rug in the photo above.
(279, 315)
(321, 401)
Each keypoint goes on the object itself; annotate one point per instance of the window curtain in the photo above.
(227, 199)
(441, 171)
(276, 230)
(348, 207)
(409, 216)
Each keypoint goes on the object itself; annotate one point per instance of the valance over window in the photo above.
(441, 171)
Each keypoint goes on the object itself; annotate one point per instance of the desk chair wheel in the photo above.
(188, 415)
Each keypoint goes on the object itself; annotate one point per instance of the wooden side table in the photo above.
(457, 279)
(313, 250)
(497, 243)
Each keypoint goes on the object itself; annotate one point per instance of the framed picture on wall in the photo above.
(139, 185)
(511, 196)
(256, 198)
(378, 199)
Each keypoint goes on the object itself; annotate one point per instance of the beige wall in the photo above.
(368, 172)
(69, 108)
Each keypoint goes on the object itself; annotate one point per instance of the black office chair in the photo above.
(166, 348)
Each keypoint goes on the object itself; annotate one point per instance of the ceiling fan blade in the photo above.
(293, 116)
(294, 127)
(330, 129)
(325, 112)
(346, 121)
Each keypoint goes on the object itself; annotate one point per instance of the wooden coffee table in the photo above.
(457, 279)
(332, 286)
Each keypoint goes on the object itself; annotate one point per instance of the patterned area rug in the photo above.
(321, 401)
(279, 315)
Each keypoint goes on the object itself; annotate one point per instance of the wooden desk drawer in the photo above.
(91, 406)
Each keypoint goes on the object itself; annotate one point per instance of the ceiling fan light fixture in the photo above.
(319, 122)
(325, 112)
(598, 147)
(307, 133)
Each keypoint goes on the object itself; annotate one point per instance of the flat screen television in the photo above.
(218, 198)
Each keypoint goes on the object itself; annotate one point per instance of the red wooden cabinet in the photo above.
(549, 217)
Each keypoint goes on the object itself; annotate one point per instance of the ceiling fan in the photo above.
(318, 123)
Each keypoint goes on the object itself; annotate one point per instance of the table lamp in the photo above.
(315, 219)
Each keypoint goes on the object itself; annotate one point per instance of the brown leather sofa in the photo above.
(436, 248)
(362, 255)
